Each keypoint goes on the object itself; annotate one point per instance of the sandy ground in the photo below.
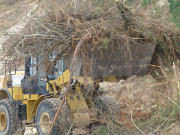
(174, 129)
(12, 11)
(14, 17)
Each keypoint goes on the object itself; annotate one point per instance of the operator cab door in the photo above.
(36, 68)
(31, 83)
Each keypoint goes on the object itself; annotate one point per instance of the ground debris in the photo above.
(145, 101)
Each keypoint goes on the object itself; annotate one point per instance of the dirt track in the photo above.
(12, 11)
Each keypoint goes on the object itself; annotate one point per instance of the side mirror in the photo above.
(9, 68)
(8, 81)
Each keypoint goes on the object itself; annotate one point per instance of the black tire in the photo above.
(49, 107)
(109, 113)
(106, 104)
(8, 109)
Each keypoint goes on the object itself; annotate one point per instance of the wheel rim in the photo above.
(3, 121)
(45, 122)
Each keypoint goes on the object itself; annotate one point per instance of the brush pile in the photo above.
(58, 25)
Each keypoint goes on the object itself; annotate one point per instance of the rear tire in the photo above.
(45, 114)
(7, 117)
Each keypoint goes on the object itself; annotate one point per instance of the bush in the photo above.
(175, 11)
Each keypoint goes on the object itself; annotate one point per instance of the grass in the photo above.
(145, 3)
(102, 130)
(165, 114)
(177, 44)
(163, 117)
(106, 42)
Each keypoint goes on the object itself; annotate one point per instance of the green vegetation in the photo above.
(102, 6)
(160, 46)
(102, 130)
(145, 3)
(106, 43)
(175, 11)
(162, 118)
(177, 44)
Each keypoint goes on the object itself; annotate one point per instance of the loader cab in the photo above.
(36, 69)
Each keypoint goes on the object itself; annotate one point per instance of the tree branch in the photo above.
(78, 47)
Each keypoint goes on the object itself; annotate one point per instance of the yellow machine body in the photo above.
(82, 109)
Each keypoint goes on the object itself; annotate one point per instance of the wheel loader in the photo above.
(34, 94)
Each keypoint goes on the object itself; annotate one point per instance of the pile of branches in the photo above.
(59, 25)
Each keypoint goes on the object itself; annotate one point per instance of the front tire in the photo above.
(106, 104)
(7, 117)
(45, 114)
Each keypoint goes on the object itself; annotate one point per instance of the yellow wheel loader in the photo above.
(34, 95)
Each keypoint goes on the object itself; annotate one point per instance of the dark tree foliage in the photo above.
(175, 11)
